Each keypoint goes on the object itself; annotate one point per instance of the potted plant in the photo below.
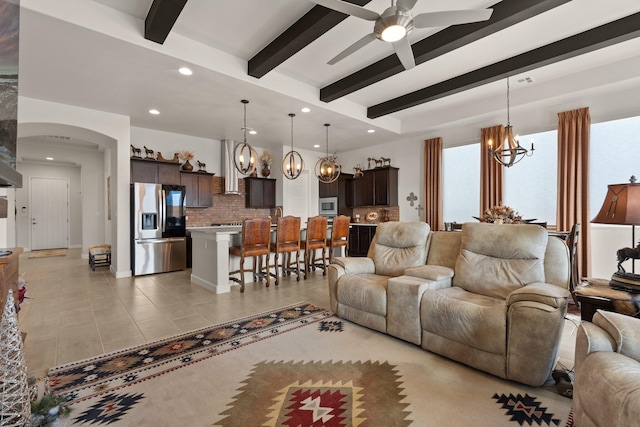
(187, 155)
(265, 161)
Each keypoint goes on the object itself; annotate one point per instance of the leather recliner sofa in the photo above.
(492, 296)
(606, 389)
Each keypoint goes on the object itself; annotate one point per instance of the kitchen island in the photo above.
(210, 256)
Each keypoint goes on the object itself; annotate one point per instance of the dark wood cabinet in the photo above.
(377, 187)
(360, 237)
(260, 192)
(328, 190)
(198, 188)
(155, 172)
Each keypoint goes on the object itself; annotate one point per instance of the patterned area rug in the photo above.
(298, 366)
(46, 253)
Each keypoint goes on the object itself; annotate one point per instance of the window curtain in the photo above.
(433, 183)
(573, 180)
(491, 172)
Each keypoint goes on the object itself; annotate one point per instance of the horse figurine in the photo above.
(625, 254)
(202, 167)
(148, 152)
(136, 152)
(379, 163)
(386, 161)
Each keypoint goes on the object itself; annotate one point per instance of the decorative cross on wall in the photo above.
(419, 208)
(412, 198)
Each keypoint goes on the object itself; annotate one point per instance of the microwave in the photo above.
(328, 206)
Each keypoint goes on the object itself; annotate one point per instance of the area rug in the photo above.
(298, 366)
(46, 253)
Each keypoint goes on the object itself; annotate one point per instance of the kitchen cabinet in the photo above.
(328, 190)
(360, 237)
(260, 192)
(198, 188)
(155, 172)
(377, 187)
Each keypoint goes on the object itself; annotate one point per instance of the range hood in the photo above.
(229, 171)
(9, 177)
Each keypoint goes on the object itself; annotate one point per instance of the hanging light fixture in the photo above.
(244, 156)
(327, 169)
(513, 152)
(292, 163)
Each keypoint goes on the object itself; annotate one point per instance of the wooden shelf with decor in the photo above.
(9, 275)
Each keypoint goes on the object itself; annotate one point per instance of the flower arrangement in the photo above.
(186, 155)
(266, 158)
(501, 215)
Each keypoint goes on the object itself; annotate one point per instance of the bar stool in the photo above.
(339, 235)
(256, 234)
(287, 242)
(315, 239)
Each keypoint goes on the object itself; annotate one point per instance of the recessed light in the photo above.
(371, 131)
(185, 71)
(305, 109)
(49, 158)
(154, 112)
(253, 132)
(316, 145)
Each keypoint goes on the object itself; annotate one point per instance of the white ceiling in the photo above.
(93, 54)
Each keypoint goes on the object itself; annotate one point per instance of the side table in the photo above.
(596, 294)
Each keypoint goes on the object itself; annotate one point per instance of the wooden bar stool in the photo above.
(256, 235)
(315, 239)
(287, 242)
(339, 235)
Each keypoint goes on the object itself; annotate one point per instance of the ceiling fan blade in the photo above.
(405, 53)
(351, 49)
(451, 17)
(406, 5)
(349, 9)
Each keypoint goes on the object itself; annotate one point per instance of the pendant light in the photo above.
(244, 156)
(513, 152)
(292, 163)
(327, 169)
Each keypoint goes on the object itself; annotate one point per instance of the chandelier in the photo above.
(327, 169)
(512, 152)
(245, 151)
(292, 163)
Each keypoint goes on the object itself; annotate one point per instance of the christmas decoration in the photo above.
(14, 387)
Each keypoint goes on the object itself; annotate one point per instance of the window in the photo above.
(460, 183)
(613, 157)
(530, 187)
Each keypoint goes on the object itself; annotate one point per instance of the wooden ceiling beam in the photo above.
(597, 38)
(505, 14)
(305, 30)
(160, 19)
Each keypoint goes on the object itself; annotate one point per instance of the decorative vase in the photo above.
(266, 171)
(187, 166)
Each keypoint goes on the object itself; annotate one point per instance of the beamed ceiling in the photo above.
(121, 56)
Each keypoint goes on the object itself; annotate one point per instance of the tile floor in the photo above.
(74, 313)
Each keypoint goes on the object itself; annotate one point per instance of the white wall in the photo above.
(23, 202)
(206, 150)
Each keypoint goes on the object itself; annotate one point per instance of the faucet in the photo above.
(276, 210)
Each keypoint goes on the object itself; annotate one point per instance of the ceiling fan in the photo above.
(396, 22)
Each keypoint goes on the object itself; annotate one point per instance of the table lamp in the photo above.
(621, 206)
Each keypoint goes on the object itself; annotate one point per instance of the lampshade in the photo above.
(621, 205)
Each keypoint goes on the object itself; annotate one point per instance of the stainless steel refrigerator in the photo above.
(158, 228)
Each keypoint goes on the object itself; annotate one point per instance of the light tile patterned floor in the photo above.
(74, 313)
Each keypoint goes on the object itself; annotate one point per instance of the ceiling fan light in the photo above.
(393, 33)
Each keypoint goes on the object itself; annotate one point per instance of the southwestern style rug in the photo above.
(298, 366)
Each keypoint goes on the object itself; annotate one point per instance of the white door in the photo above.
(49, 213)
